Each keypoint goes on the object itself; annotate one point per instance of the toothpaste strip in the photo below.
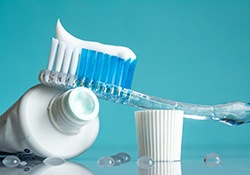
(119, 51)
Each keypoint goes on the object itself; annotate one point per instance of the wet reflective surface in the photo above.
(188, 166)
(85, 165)
(230, 166)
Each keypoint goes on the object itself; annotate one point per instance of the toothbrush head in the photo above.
(74, 62)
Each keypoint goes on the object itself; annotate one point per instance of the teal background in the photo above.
(190, 51)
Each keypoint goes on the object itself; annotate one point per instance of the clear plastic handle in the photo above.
(234, 113)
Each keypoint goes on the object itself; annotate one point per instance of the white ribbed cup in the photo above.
(159, 134)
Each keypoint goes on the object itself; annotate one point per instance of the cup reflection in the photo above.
(162, 168)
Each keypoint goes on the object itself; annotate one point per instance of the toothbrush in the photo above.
(108, 72)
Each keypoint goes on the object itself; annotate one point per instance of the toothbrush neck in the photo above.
(64, 112)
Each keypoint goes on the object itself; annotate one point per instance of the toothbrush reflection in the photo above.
(37, 169)
(161, 168)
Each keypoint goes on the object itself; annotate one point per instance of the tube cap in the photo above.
(71, 110)
(159, 134)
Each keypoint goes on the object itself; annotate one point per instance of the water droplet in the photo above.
(23, 163)
(105, 162)
(54, 161)
(26, 169)
(125, 157)
(145, 162)
(11, 161)
(26, 150)
(212, 159)
(117, 160)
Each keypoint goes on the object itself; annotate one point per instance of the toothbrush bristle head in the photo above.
(107, 70)
(70, 67)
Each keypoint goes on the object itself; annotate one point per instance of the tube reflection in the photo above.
(43, 169)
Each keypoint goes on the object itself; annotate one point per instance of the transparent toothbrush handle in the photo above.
(234, 113)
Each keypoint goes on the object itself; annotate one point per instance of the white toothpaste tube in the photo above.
(51, 122)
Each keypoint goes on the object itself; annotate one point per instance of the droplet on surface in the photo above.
(26, 169)
(145, 162)
(125, 157)
(117, 160)
(54, 161)
(11, 161)
(105, 162)
(23, 163)
(212, 159)
(26, 150)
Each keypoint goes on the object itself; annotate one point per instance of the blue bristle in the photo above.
(90, 64)
(109, 67)
(125, 72)
(82, 65)
(112, 69)
(118, 74)
(97, 66)
(131, 74)
(104, 70)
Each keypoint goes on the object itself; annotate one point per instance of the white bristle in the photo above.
(52, 55)
(67, 59)
(60, 56)
(74, 61)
